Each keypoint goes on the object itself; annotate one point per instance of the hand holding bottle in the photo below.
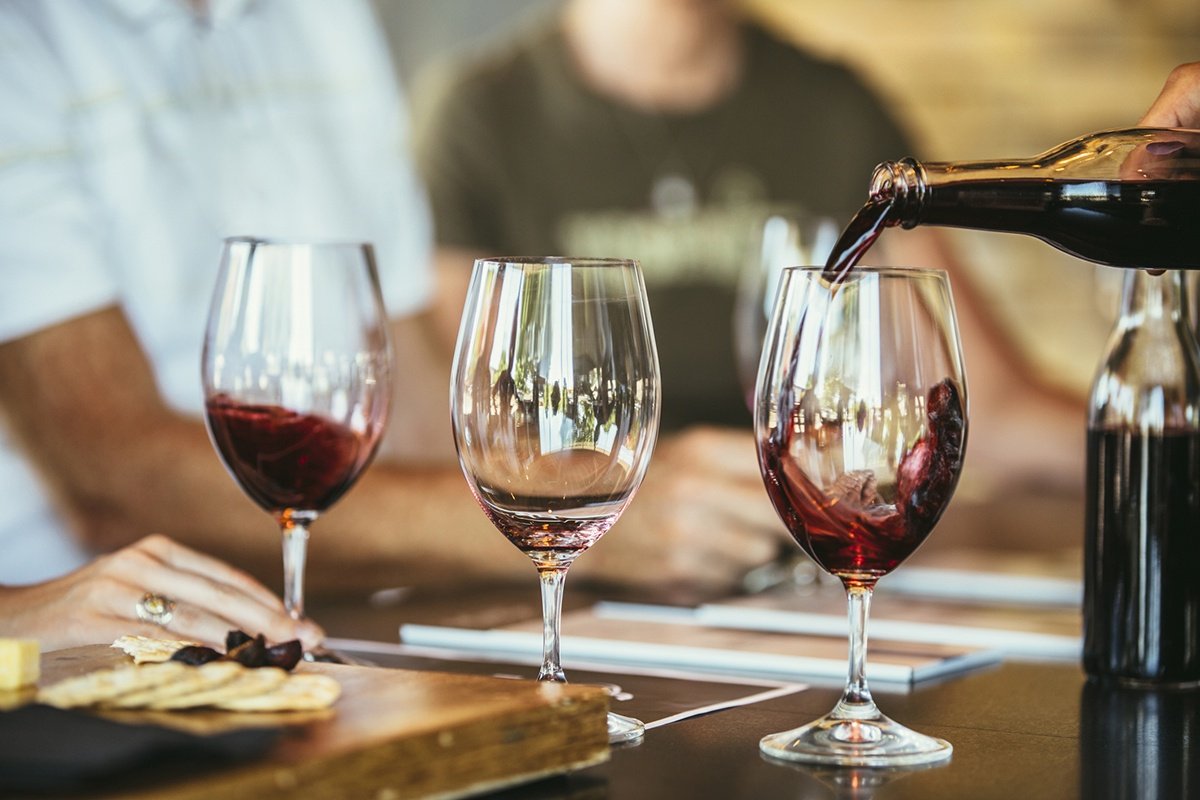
(1178, 104)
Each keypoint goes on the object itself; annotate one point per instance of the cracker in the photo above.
(307, 691)
(144, 649)
(196, 679)
(103, 685)
(248, 684)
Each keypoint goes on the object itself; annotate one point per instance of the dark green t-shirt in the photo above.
(521, 158)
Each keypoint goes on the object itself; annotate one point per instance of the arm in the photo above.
(81, 398)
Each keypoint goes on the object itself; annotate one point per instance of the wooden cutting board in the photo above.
(392, 734)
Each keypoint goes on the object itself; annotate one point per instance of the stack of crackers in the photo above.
(154, 682)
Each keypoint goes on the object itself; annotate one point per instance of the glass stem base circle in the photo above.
(623, 730)
(875, 741)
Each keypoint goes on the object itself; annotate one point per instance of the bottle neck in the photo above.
(1154, 299)
(904, 185)
(1149, 380)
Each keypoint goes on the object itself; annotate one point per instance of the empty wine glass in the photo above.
(860, 418)
(554, 402)
(296, 371)
(786, 239)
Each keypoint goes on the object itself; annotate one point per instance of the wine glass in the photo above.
(860, 419)
(296, 371)
(554, 402)
(786, 239)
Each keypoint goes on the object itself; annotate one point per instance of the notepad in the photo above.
(678, 642)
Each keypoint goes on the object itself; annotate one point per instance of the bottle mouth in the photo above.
(901, 185)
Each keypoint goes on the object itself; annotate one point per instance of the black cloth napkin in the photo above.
(50, 750)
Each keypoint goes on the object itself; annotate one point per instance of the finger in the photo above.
(219, 600)
(189, 620)
(199, 624)
(184, 558)
(1178, 104)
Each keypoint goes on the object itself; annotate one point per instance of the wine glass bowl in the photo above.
(860, 420)
(555, 406)
(296, 368)
(786, 240)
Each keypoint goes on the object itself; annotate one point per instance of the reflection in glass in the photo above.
(1138, 742)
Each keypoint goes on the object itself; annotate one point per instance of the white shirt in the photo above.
(134, 136)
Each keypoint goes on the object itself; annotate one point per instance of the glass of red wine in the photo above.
(861, 424)
(296, 369)
(554, 403)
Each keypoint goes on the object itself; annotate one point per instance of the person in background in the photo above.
(154, 588)
(665, 130)
(135, 136)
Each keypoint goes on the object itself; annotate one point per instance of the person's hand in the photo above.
(98, 603)
(700, 521)
(1178, 104)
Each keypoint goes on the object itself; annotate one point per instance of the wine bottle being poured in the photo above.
(1125, 198)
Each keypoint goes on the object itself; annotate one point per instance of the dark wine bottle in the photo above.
(1126, 198)
(1142, 542)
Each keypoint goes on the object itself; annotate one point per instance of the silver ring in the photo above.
(155, 608)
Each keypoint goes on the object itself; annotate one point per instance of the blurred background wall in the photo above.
(973, 79)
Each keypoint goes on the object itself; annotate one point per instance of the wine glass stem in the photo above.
(295, 550)
(856, 700)
(552, 581)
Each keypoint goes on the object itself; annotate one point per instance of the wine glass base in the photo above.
(874, 742)
(623, 729)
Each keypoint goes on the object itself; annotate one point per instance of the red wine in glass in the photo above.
(860, 418)
(286, 460)
(856, 528)
(296, 370)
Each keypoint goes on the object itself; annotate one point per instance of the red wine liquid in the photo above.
(284, 460)
(1141, 554)
(857, 238)
(848, 527)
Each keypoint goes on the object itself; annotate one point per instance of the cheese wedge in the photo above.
(19, 665)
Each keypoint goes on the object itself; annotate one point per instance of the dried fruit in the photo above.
(286, 655)
(195, 655)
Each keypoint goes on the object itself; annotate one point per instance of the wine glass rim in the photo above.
(577, 261)
(283, 241)
(869, 270)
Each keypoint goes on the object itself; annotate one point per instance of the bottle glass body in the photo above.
(1142, 542)
(1127, 198)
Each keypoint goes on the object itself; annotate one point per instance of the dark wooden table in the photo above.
(1019, 730)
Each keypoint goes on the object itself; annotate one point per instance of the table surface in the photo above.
(1019, 730)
